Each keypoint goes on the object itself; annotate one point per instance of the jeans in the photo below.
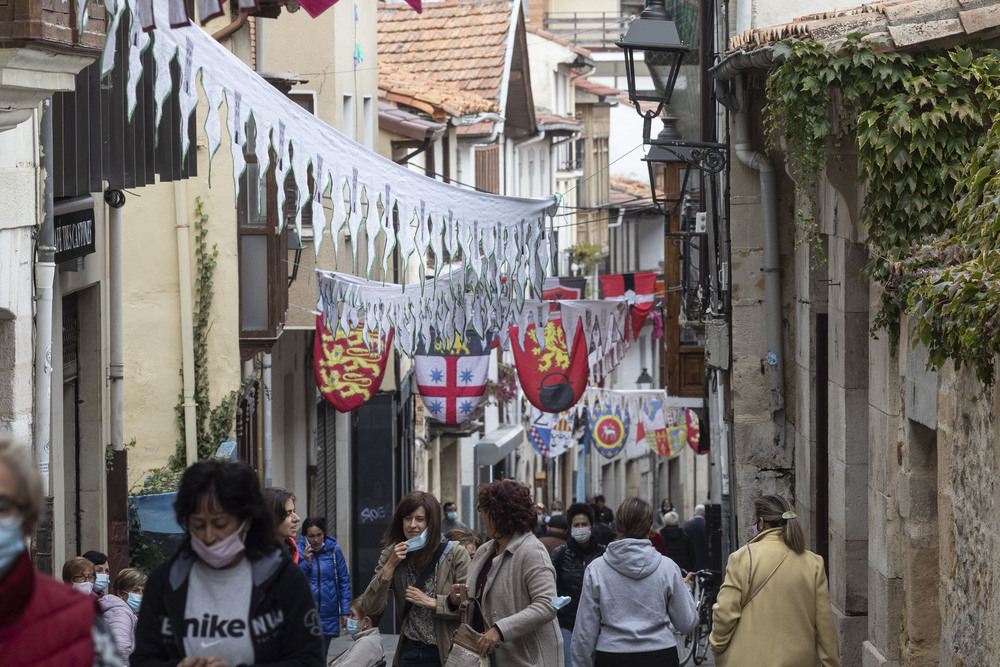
(418, 654)
(567, 640)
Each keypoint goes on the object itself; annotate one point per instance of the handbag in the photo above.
(465, 641)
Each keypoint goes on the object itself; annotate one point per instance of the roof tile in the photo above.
(925, 31)
(983, 18)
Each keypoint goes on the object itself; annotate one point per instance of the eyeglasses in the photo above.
(80, 578)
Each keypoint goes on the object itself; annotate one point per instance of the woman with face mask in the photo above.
(366, 649)
(120, 607)
(229, 596)
(774, 607)
(322, 561)
(570, 561)
(32, 605)
(419, 566)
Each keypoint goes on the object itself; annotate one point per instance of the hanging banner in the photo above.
(609, 427)
(552, 379)
(551, 434)
(451, 376)
(694, 432)
(563, 288)
(638, 289)
(654, 427)
(348, 371)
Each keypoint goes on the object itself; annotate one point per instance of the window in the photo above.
(262, 254)
(488, 168)
(348, 115)
(367, 119)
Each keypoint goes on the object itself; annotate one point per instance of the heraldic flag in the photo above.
(638, 285)
(564, 287)
(608, 428)
(551, 434)
(553, 379)
(349, 372)
(451, 376)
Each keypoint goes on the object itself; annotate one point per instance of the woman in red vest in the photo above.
(32, 605)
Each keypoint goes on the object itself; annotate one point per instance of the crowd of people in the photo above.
(582, 586)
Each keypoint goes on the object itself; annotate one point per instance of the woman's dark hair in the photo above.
(275, 499)
(96, 557)
(509, 507)
(318, 521)
(634, 518)
(231, 486)
(465, 536)
(771, 509)
(580, 508)
(394, 534)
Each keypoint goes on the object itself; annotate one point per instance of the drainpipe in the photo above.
(266, 418)
(45, 272)
(115, 201)
(183, 227)
(772, 277)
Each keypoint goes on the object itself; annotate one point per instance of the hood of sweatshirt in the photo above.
(636, 559)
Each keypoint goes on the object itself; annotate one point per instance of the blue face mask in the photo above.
(134, 600)
(452, 516)
(560, 602)
(352, 626)
(102, 582)
(417, 542)
(11, 542)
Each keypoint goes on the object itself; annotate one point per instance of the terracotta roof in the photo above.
(625, 191)
(430, 96)
(557, 123)
(545, 34)
(482, 129)
(395, 120)
(459, 43)
(898, 25)
(598, 89)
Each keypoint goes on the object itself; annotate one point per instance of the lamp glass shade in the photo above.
(655, 37)
(644, 381)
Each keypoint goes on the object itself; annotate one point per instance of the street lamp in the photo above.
(655, 35)
(661, 157)
(644, 381)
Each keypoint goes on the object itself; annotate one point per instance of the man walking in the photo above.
(696, 529)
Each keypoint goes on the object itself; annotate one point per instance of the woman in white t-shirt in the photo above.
(229, 596)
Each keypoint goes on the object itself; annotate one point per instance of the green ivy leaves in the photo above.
(929, 155)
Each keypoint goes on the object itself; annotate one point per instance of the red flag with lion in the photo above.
(348, 372)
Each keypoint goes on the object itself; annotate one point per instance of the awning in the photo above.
(498, 444)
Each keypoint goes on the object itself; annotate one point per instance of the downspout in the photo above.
(183, 227)
(115, 201)
(266, 418)
(45, 272)
(772, 276)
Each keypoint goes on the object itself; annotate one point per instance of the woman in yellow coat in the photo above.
(774, 607)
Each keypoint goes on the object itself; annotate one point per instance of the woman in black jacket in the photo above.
(229, 596)
(570, 561)
(680, 548)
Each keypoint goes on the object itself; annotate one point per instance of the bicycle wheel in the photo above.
(701, 646)
(686, 644)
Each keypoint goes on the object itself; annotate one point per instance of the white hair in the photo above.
(699, 510)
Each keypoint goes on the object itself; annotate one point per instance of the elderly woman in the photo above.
(513, 581)
(79, 572)
(120, 607)
(42, 622)
(628, 596)
(774, 607)
(420, 567)
(229, 596)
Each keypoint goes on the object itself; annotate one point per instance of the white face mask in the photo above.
(581, 535)
(85, 587)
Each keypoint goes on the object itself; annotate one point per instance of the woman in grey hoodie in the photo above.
(628, 596)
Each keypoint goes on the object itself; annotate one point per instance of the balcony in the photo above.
(596, 31)
(41, 52)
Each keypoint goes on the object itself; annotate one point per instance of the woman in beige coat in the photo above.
(514, 582)
(420, 567)
(774, 607)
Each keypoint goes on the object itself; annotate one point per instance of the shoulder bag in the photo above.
(465, 641)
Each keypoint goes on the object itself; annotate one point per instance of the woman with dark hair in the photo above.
(281, 502)
(774, 607)
(322, 561)
(628, 596)
(421, 567)
(513, 582)
(571, 560)
(229, 596)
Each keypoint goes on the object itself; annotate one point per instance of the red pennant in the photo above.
(640, 285)
(553, 379)
(347, 372)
